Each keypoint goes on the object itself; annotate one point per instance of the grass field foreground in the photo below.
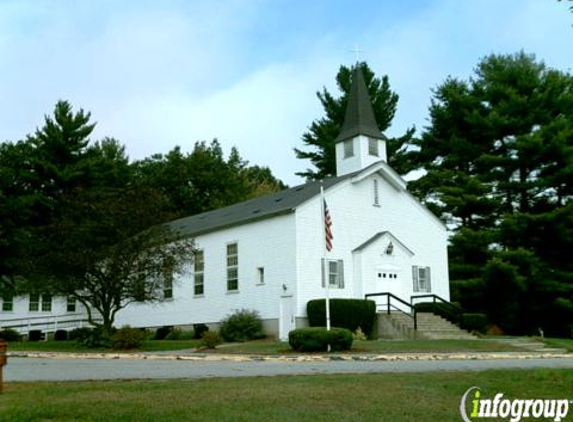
(334, 398)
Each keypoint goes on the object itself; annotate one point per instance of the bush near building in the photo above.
(317, 339)
(243, 325)
(345, 313)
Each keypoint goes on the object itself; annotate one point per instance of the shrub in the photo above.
(359, 335)
(89, 337)
(179, 334)
(35, 335)
(316, 339)
(79, 334)
(474, 322)
(127, 338)
(198, 330)
(162, 332)
(451, 312)
(345, 313)
(60, 335)
(243, 325)
(8, 334)
(211, 339)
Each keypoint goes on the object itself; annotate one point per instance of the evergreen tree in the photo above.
(498, 156)
(322, 132)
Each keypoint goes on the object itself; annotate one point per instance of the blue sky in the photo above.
(156, 74)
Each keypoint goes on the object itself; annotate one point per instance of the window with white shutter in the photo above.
(421, 277)
(335, 273)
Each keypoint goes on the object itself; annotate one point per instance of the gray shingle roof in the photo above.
(359, 118)
(283, 202)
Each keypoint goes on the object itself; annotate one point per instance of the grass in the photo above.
(566, 343)
(379, 347)
(71, 346)
(316, 398)
(272, 347)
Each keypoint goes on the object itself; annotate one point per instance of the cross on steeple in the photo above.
(357, 51)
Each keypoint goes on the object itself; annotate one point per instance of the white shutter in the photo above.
(415, 278)
(428, 280)
(322, 272)
(341, 273)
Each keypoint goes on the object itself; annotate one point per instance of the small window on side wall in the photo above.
(373, 147)
(349, 148)
(199, 274)
(261, 275)
(232, 267)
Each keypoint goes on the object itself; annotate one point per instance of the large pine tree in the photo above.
(498, 155)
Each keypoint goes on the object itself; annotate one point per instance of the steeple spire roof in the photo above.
(359, 118)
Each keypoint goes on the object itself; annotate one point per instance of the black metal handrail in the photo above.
(389, 306)
(435, 298)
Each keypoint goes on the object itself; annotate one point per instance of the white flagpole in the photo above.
(324, 262)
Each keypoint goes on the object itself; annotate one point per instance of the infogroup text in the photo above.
(514, 409)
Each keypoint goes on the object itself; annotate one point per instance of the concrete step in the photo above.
(430, 326)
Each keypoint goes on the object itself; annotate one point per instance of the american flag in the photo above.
(327, 228)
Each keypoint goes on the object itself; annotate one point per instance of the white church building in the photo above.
(266, 254)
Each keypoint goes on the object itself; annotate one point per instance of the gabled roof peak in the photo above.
(359, 118)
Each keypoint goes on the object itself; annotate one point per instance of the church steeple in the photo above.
(360, 142)
(359, 118)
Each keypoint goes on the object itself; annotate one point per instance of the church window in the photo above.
(199, 274)
(46, 303)
(34, 302)
(335, 273)
(71, 304)
(39, 302)
(373, 147)
(376, 192)
(7, 303)
(349, 148)
(422, 279)
(168, 288)
(232, 267)
(261, 275)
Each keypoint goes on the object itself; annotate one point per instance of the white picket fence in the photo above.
(46, 324)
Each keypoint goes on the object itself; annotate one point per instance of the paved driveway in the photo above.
(39, 369)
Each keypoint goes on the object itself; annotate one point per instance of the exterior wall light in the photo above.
(389, 249)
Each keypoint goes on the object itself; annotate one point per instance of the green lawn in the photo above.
(271, 347)
(566, 343)
(74, 347)
(379, 346)
(367, 398)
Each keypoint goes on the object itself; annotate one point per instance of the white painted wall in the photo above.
(355, 220)
(361, 158)
(268, 243)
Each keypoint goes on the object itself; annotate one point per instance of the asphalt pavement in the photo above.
(45, 369)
